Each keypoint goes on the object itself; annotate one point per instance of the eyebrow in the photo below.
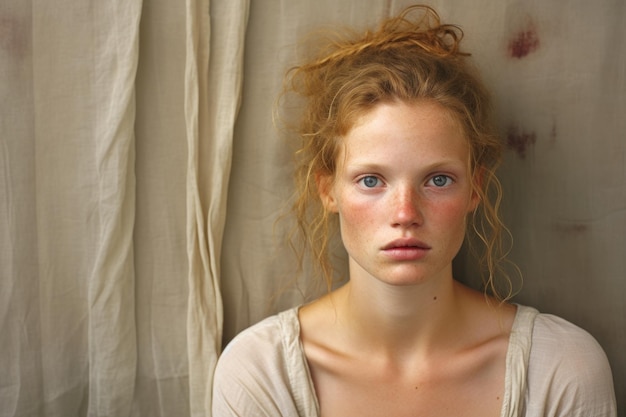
(376, 167)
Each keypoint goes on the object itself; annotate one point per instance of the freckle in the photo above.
(519, 141)
(524, 42)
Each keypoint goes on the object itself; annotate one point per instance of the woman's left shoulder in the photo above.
(565, 340)
(568, 371)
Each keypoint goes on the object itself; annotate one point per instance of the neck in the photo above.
(396, 319)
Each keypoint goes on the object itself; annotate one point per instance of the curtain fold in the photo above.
(110, 296)
(115, 161)
(68, 335)
(21, 373)
(161, 264)
(213, 81)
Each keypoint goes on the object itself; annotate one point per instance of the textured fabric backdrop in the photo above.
(116, 139)
(557, 70)
(142, 177)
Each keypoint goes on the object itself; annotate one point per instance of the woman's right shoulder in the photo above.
(260, 343)
(258, 372)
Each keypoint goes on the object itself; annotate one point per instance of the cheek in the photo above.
(355, 213)
(452, 213)
(357, 218)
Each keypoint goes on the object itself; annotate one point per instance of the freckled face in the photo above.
(402, 192)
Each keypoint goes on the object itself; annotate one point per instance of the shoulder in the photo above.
(565, 344)
(260, 339)
(568, 372)
(552, 331)
(256, 353)
(254, 374)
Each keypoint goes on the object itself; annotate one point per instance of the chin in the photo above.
(399, 274)
(405, 278)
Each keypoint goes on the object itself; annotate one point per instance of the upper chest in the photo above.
(470, 384)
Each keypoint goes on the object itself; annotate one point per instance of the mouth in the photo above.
(406, 244)
(405, 250)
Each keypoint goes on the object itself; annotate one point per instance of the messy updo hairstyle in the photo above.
(410, 58)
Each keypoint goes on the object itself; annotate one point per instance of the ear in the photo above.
(475, 201)
(477, 183)
(325, 189)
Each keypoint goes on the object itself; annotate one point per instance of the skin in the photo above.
(402, 337)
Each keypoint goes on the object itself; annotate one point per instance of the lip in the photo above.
(406, 242)
(406, 249)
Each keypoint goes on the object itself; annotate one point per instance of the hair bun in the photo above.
(416, 27)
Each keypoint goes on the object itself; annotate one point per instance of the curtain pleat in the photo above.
(112, 349)
(21, 375)
(161, 264)
(68, 158)
(213, 80)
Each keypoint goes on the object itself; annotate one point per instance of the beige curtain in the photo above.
(142, 182)
(115, 147)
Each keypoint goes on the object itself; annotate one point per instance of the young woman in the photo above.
(399, 148)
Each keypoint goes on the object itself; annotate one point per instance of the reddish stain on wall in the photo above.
(11, 37)
(524, 42)
(553, 132)
(519, 141)
(570, 229)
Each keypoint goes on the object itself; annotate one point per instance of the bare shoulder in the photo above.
(487, 317)
(317, 327)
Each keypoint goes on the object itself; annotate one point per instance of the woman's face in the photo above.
(402, 191)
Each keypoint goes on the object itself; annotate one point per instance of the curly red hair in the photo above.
(410, 57)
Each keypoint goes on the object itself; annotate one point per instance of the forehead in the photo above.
(420, 128)
(417, 108)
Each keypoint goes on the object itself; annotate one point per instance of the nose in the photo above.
(406, 208)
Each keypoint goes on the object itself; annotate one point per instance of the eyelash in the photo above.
(361, 181)
(449, 180)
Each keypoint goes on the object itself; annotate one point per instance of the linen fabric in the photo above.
(553, 368)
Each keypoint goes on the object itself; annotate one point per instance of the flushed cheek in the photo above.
(358, 222)
(453, 211)
(450, 217)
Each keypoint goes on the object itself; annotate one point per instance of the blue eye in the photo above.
(441, 180)
(370, 181)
